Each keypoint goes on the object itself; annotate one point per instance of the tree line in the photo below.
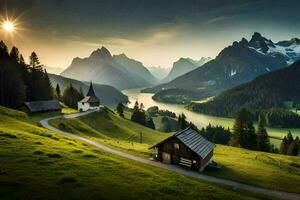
(289, 145)
(21, 82)
(139, 116)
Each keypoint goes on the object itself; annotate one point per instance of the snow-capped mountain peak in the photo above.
(289, 49)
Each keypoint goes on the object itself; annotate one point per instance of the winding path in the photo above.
(193, 174)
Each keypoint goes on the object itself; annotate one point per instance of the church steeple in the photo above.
(91, 92)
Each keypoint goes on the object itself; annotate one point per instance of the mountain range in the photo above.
(271, 90)
(103, 68)
(107, 94)
(159, 72)
(182, 66)
(236, 64)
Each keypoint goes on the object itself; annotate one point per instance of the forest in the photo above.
(268, 93)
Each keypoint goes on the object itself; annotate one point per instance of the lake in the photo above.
(200, 120)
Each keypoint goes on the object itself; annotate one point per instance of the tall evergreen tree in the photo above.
(34, 62)
(263, 141)
(3, 51)
(284, 146)
(183, 124)
(12, 88)
(58, 92)
(71, 96)
(120, 110)
(15, 55)
(39, 85)
(244, 131)
(289, 137)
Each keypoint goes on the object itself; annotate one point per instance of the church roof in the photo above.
(90, 96)
(91, 91)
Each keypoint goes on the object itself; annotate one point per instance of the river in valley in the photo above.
(200, 120)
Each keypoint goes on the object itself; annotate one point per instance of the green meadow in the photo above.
(40, 164)
(262, 169)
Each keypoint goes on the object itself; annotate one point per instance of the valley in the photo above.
(198, 119)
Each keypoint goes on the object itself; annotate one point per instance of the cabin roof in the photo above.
(39, 106)
(193, 141)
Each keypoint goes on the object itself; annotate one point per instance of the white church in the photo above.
(90, 101)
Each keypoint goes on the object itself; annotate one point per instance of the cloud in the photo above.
(215, 19)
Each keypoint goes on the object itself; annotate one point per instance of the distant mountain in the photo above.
(289, 49)
(271, 90)
(141, 73)
(239, 63)
(182, 66)
(118, 71)
(159, 72)
(107, 94)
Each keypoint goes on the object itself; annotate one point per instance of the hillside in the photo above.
(266, 91)
(118, 71)
(40, 164)
(112, 130)
(239, 63)
(182, 66)
(251, 167)
(107, 94)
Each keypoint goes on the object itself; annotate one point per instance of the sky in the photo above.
(155, 32)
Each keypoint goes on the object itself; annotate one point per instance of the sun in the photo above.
(8, 26)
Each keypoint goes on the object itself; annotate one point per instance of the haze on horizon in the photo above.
(156, 33)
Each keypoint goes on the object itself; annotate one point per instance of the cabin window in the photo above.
(176, 146)
(82, 103)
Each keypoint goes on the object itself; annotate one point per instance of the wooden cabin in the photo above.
(40, 106)
(187, 148)
(90, 101)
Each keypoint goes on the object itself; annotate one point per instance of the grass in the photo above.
(267, 170)
(40, 164)
(113, 131)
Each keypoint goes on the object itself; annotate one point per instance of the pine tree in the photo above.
(292, 149)
(12, 87)
(284, 146)
(15, 55)
(3, 51)
(71, 96)
(120, 110)
(290, 138)
(183, 124)
(58, 92)
(35, 62)
(150, 123)
(135, 113)
(244, 131)
(47, 87)
(263, 140)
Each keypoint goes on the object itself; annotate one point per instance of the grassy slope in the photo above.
(113, 131)
(252, 167)
(39, 164)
